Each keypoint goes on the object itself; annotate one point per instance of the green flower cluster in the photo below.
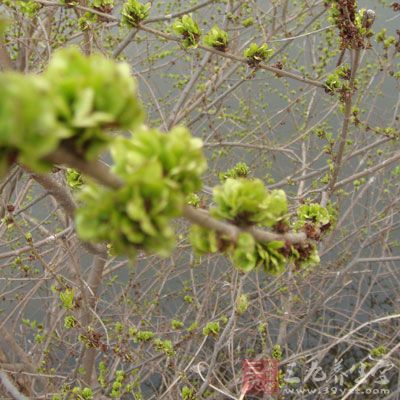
(305, 256)
(313, 213)
(242, 304)
(70, 322)
(188, 393)
(133, 12)
(158, 171)
(337, 81)
(177, 153)
(164, 346)
(204, 240)
(245, 202)
(211, 328)
(29, 127)
(240, 170)
(134, 216)
(193, 200)
(116, 389)
(255, 53)
(249, 254)
(314, 220)
(29, 8)
(82, 393)
(216, 38)
(188, 29)
(74, 179)
(353, 25)
(38, 112)
(93, 95)
(103, 5)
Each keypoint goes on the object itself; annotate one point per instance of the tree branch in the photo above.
(10, 387)
(101, 173)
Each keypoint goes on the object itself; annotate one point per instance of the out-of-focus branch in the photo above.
(66, 201)
(5, 59)
(94, 282)
(10, 387)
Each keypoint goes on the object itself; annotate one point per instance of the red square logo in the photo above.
(260, 376)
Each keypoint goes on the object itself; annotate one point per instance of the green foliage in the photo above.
(175, 324)
(364, 21)
(381, 35)
(29, 126)
(387, 41)
(244, 256)
(396, 171)
(188, 29)
(102, 375)
(67, 298)
(203, 240)
(309, 259)
(103, 4)
(192, 327)
(116, 388)
(378, 352)
(82, 393)
(248, 22)
(86, 21)
(29, 8)
(94, 95)
(193, 200)
(248, 254)
(332, 82)
(337, 80)
(74, 178)
(158, 170)
(353, 25)
(135, 216)
(212, 328)
(133, 12)
(216, 38)
(271, 259)
(118, 327)
(188, 393)
(313, 213)
(277, 352)
(262, 328)
(144, 336)
(164, 346)
(247, 201)
(240, 170)
(188, 299)
(177, 154)
(242, 304)
(69, 322)
(255, 53)
(37, 113)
